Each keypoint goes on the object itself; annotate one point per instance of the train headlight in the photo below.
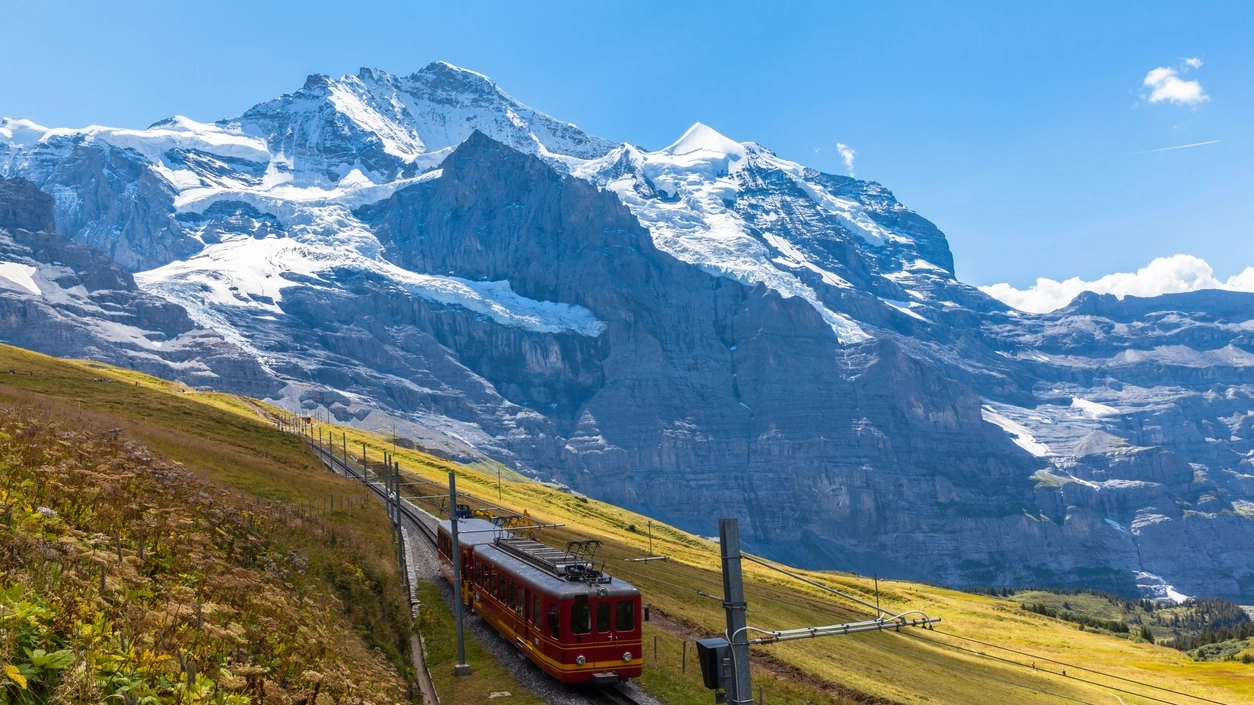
(627, 656)
(580, 660)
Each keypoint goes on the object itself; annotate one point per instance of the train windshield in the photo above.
(580, 615)
(624, 616)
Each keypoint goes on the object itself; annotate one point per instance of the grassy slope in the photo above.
(914, 666)
(221, 437)
(223, 444)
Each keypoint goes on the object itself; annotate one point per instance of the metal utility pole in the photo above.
(462, 668)
(388, 482)
(725, 662)
(400, 535)
(739, 687)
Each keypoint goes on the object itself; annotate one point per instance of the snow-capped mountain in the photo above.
(791, 346)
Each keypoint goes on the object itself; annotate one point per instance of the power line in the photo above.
(977, 673)
(816, 584)
(1081, 668)
(685, 588)
(1074, 678)
(814, 604)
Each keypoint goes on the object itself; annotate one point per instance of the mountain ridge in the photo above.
(707, 313)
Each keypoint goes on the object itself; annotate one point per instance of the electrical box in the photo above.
(710, 654)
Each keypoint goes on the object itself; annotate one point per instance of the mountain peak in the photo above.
(446, 78)
(703, 138)
(315, 81)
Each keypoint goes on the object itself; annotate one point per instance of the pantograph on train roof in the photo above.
(576, 564)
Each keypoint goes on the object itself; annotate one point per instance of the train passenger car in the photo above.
(576, 623)
(470, 533)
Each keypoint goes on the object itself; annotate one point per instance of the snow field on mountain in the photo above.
(695, 223)
(1018, 433)
(20, 275)
(175, 133)
(1093, 409)
(244, 272)
(419, 119)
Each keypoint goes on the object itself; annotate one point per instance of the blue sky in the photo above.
(1023, 130)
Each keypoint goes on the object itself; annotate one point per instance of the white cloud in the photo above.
(1165, 84)
(846, 155)
(1165, 275)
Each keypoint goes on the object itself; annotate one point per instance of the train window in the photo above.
(624, 616)
(580, 615)
(513, 597)
(495, 583)
(535, 610)
(554, 620)
(603, 617)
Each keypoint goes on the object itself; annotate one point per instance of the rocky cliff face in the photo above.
(65, 298)
(786, 346)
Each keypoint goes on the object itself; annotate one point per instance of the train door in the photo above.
(537, 609)
(525, 613)
(627, 640)
(603, 627)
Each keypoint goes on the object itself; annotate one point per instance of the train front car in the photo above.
(576, 623)
(470, 533)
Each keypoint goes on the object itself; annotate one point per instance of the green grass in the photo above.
(487, 676)
(1089, 605)
(341, 534)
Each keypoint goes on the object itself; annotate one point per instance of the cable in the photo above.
(981, 675)
(1081, 668)
(1074, 678)
(664, 582)
(821, 586)
(817, 605)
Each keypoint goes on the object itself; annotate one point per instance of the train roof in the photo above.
(472, 532)
(547, 582)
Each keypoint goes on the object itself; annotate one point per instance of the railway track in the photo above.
(414, 517)
(607, 695)
(425, 524)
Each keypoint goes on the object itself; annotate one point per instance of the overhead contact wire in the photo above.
(1074, 678)
(1081, 668)
(979, 674)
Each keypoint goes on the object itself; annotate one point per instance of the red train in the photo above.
(576, 623)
